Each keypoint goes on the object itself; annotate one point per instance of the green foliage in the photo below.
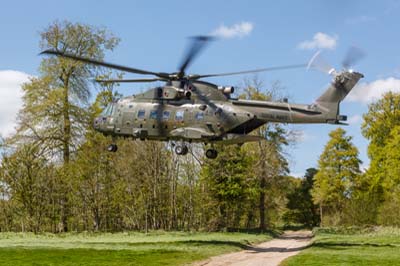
(301, 208)
(26, 180)
(391, 161)
(228, 174)
(338, 178)
(55, 104)
(382, 118)
(227, 179)
(382, 127)
(389, 210)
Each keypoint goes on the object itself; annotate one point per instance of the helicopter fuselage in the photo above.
(202, 112)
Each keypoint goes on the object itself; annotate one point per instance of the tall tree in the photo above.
(54, 113)
(339, 172)
(379, 122)
(55, 103)
(272, 162)
(389, 209)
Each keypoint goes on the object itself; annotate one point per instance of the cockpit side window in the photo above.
(179, 115)
(199, 116)
(165, 115)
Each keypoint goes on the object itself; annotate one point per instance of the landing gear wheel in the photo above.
(112, 148)
(211, 154)
(181, 149)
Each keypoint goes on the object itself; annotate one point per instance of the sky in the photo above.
(252, 34)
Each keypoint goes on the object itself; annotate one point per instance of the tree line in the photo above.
(56, 175)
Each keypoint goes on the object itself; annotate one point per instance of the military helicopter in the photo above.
(187, 109)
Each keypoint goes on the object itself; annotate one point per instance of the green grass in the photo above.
(131, 248)
(373, 246)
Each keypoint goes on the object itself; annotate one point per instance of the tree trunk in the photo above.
(320, 214)
(263, 184)
(66, 153)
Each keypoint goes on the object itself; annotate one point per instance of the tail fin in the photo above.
(341, 85)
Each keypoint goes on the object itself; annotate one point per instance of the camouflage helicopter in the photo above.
(187, 109)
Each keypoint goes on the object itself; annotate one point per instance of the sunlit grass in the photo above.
(372, 246)
(130, 248)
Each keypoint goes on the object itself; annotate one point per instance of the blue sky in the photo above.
(153, 36)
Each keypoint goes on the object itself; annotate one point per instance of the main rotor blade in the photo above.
(319, 63)
(104, 64)
(248, 71)
(198, 43)
(353, 55)
(128, 80)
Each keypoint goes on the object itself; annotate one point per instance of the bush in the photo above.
(389, 212)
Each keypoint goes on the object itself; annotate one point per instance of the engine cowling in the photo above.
(226, 89)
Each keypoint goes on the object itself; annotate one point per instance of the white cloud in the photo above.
(320, 41)
(354, 119)
(368, 92)
(238, 30)
(10, 98)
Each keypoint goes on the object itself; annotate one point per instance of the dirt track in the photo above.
(269, 253)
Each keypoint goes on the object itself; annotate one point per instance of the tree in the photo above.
(338, 176)
(227, 179)
(300, 203)
(380, 127)
(55, 112)
(389, 212)
(25, 176)
(382, 117)
(55, 103)
(391, 161)
(271, 164)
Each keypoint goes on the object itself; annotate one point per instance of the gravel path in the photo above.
(269, 253)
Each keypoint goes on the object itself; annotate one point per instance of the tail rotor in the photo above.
(352, 57)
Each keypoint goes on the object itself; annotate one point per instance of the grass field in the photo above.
(132, 248)
(374, 246)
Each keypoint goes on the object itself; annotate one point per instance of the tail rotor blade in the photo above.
(353, 56)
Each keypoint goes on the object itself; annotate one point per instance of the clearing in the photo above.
(349, 246)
